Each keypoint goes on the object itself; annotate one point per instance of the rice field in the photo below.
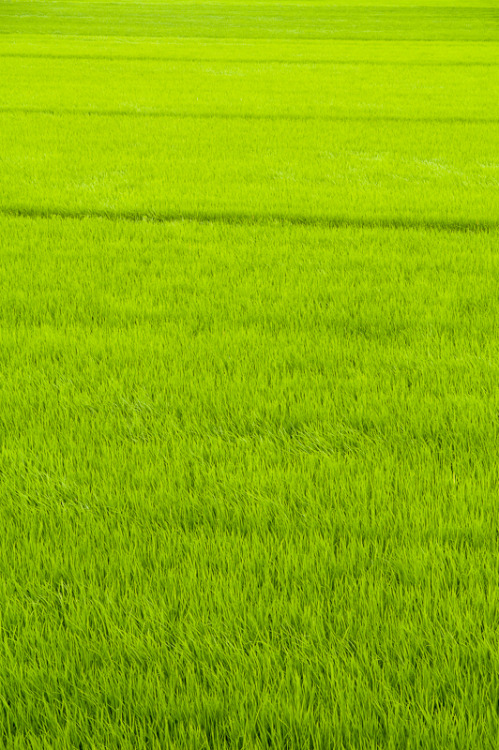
(249, 367)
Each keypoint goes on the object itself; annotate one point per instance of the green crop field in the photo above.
(249, 375)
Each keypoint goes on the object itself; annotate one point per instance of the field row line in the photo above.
(244, 61)
(359, 38)
(242, 219)
(244, 116)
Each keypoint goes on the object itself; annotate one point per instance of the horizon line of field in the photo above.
(251, 61)
(243, 116)
(247, 219)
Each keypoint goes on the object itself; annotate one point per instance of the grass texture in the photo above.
(248, 376)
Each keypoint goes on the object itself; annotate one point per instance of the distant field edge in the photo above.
(241, 219)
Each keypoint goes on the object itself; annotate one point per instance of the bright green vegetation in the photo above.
(249, 366)
(449, 20)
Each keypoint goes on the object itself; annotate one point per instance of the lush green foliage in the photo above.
(248, 376)
(453, 20)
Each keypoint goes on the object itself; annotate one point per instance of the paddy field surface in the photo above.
(249, 367)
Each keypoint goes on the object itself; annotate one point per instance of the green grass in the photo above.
(447, 20)
(249, 358)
